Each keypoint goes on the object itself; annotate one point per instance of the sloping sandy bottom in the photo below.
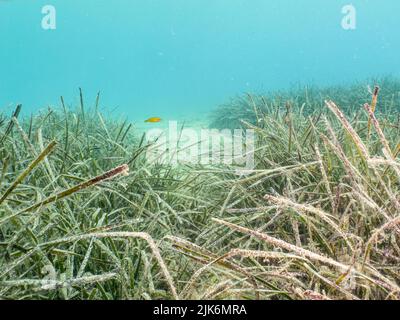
(192, 141)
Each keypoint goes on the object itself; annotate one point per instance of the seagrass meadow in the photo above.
(84, 216)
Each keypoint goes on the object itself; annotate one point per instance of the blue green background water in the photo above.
(173, 58)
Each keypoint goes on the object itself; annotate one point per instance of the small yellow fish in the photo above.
(153, 120)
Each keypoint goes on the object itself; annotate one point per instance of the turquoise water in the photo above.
(181, 58)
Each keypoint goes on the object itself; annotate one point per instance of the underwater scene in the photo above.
(199, 150)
